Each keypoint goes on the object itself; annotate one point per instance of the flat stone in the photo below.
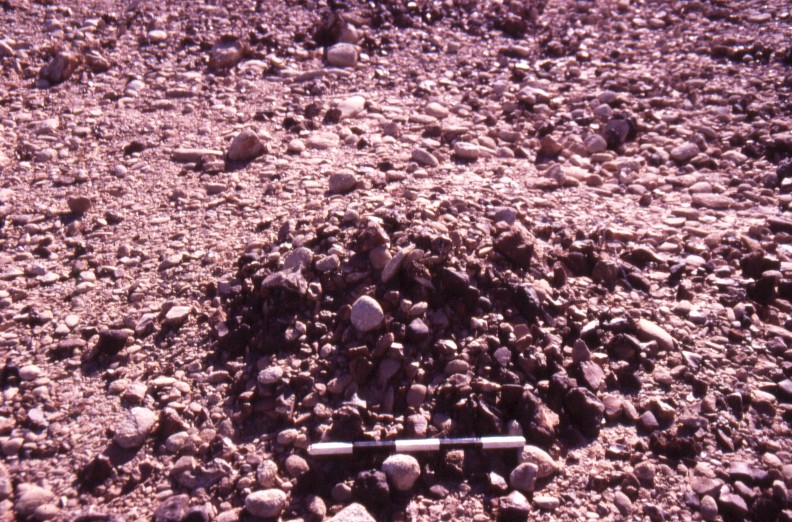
(424, 158)
(342, 182)
(712, 201)
(193, 155)
(323, 140)
(649, 331)
(394, 264)
(467, 151)
(546, 502)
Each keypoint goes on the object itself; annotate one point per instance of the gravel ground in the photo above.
(231, 229)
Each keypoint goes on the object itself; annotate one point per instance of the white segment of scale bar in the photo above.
(331, 448)
(406, 446)
(504, 442)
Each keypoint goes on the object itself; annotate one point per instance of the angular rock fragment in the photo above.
(516, 245)
(60, 68)
(352, 513)
(135, 428)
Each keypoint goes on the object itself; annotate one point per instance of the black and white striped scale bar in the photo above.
(415, 445)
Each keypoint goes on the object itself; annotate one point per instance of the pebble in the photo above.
(595, 143)
(352, 106)
(266, 504)
(353, 513)
(371, 487)
(30, 498)
(30, 372)
(270, 376)
(585, 410)
(416, 395)
(546, 466)
(685, 152)
(6, 483)
(623, 503)
(246, 146)
(328, 263)
(342, 182)
(402, 471)
(708, 508)
(546, 502)
(133, 430)
(225, 53)
(436, 110)
(323, 140)
(648, 422)
(367, 314)
(424, 158)
(296, 146)
(467, 151)
(156, 36)
(316, 507)
(342, 55)
(266, 473)
(296, 466)
(524, 477)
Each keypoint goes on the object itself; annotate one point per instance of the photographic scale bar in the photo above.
(415, 445)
